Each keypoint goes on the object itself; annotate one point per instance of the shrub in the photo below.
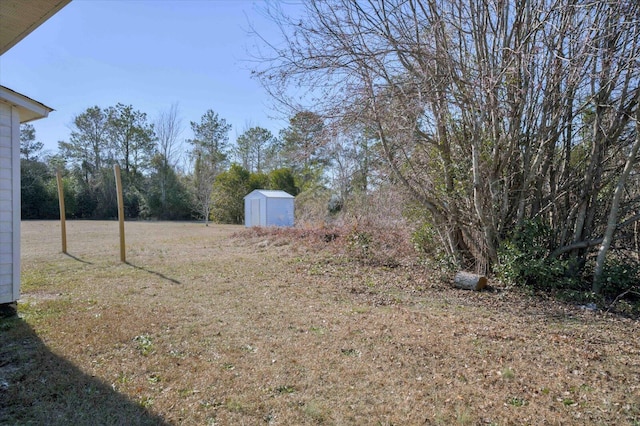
(377, 245)
(229, 189)
(335, 204)
(427, 244)
(620, 275)
(311, 206)
(523, 259)
(283, 179)
(359, 244)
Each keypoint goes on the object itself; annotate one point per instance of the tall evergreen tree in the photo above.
(211, 140)
(252, 147)
(132, 137)
(303, 147)
(29, 147)
(88, 148)
(36, 200)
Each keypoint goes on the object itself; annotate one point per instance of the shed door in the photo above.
(255, 212)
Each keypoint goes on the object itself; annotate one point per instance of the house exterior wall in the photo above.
(9, 204)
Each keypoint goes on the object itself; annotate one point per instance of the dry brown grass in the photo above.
(223, 326)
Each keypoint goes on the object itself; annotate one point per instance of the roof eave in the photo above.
(28, 108)
(9, 37)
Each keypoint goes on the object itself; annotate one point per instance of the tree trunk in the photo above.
(612, 221)
(469, 281)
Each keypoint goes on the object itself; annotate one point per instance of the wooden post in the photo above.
(469, 281)
(63, 222)
(116, 170)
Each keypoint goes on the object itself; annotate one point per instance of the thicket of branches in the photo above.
(513, 124)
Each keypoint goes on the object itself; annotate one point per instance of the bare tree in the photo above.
(612, 222)
(491, 114)
(168, 128)
(204, 176)
(354, 161)
(210, 152)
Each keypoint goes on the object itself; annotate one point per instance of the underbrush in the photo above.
(522, 266)
(525, 260)
(371, 245)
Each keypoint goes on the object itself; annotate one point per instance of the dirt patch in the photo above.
(37, 297)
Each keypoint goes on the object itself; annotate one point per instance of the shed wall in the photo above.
(255, 210)
(247, 213)
(279, 212)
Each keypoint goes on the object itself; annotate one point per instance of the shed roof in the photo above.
(270, 193)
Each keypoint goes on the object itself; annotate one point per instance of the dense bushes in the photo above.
(524, 259)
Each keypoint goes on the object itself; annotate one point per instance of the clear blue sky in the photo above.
(147, 53)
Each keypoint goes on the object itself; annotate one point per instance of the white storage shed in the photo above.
(264, 207)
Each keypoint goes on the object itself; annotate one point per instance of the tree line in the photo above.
(166, 176)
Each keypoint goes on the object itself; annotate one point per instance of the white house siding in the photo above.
(9, 204)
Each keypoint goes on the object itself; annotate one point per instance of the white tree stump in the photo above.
(469, 281)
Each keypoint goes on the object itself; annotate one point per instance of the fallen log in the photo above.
(469, 281)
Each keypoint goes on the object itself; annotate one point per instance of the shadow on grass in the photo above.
(157, 274)
(39, 387)
(78, 259)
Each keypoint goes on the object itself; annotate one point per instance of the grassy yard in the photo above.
(217, 325)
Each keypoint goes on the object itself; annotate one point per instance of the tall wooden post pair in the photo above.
(63, 224)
